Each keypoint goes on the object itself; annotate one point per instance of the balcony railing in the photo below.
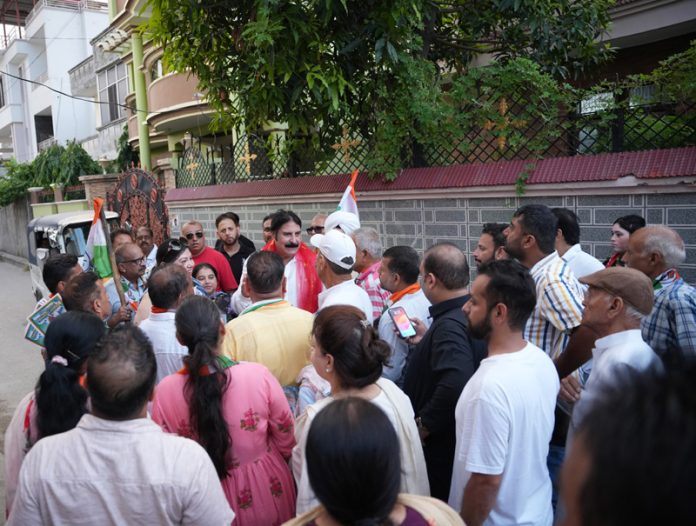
(72, 5)
(46, 144)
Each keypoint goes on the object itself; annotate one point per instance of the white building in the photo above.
(37, 53)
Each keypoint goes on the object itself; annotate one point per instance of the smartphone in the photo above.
(403, 324)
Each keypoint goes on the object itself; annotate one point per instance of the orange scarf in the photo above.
(411, 289)
(308, 283)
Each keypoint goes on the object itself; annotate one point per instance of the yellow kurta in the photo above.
(274, 334)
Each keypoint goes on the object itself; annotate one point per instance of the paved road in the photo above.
(21, 361)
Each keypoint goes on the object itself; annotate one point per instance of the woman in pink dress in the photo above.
(237, 411)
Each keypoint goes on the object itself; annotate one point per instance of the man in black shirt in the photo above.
(231, 244)
(444, 359)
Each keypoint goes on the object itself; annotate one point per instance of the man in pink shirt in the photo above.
(194, 234)
(367, 262)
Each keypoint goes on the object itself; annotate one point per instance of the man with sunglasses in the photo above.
(316, 225)
(193, 232)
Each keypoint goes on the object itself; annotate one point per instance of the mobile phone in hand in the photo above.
(401, 321)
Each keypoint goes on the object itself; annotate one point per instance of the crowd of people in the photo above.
(329, 380)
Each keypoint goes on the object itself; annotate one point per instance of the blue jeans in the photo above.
(554, 462)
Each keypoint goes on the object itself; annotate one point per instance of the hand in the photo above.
(570, 389)
(421, 329)
(123, 314)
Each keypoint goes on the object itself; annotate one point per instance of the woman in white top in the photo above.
(346, 352)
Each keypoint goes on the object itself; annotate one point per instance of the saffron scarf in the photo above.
(307, 282)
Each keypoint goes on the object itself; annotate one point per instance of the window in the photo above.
(2, 93)
(157, 70)
(113, 88)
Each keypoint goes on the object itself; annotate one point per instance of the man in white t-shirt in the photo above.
(505, 414)
(334, 264)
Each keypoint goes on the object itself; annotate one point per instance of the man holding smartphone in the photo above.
(398, 274)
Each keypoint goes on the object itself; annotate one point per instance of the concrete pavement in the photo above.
(20, 359)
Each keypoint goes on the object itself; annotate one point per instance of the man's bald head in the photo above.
(447, 262)
(121, 374)
(167, 286)
(654, 249)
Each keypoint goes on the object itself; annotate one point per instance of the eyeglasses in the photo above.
(190, 235)
(315, 230)
(139, 261)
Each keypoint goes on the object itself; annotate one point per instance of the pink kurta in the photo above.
(259, 487)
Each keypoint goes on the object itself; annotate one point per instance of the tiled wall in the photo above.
(422, 222)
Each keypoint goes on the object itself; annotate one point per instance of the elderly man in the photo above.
(303, 284)
(444, 359)
(117, 466)
(491, 244)
(568, 244)
(398, 274)
(670, 329)
(232, 244)
(316, 225)
(194, 234)
(335, 260)
(616, 301)
(368, 258)
(270, 331)
(144, 238)
(168, 286)
(130, 262)
(505, 413)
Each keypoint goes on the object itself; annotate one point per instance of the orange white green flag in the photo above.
(97, 253)
(348, 201)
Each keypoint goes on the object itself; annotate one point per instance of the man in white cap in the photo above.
(346, 222)
(334, 264)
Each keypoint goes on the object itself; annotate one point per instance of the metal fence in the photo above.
(597, 125)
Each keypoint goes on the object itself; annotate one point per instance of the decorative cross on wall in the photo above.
(507, 124)
(345, 145)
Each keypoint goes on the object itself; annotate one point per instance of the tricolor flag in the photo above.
(348, 202)
(96, 254)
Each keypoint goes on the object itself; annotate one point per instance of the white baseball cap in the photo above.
(337, 247)
(346, 221)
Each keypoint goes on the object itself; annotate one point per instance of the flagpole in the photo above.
(112, 258)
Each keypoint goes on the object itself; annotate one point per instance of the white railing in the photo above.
(73, 5)
(12, 34)
(45, 144)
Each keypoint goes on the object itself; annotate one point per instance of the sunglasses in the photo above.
(190, 235)
(315, 230)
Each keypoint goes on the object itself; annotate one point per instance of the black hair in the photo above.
(81, 291)
(201, 266)
(539, 221)
(120, 231)
(269, 216)
(227, 215)
(448, 264)
(630, 223)
(354, 438)
(56, 269)
(404, 261)
(337, 269)
(198, 326)
(280, 217)
(512, 285)
(121, 373)
(495, 230)
(359, 355)
(568, 224)
(166, 284)
(169, 250)
(60, 399)
(640, 440)
(265, 271)
(147, 228)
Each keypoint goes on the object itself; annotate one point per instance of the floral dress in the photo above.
(259, 487)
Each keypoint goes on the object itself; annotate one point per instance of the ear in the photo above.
(284, 286)
(616, 307)
(329, 361)
(97, 307)
(500, 314)
(221, 330)
(500, 253)
(245, 288)
(528, 241)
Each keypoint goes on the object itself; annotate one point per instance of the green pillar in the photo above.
(112, 9)
(141, 101)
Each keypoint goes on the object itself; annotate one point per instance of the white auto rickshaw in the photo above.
(64, 233)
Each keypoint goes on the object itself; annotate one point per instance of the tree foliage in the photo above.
(319, 66)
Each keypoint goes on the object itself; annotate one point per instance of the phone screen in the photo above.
(403, 324)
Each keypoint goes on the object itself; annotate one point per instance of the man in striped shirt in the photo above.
(368, 259)
(530, 238)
